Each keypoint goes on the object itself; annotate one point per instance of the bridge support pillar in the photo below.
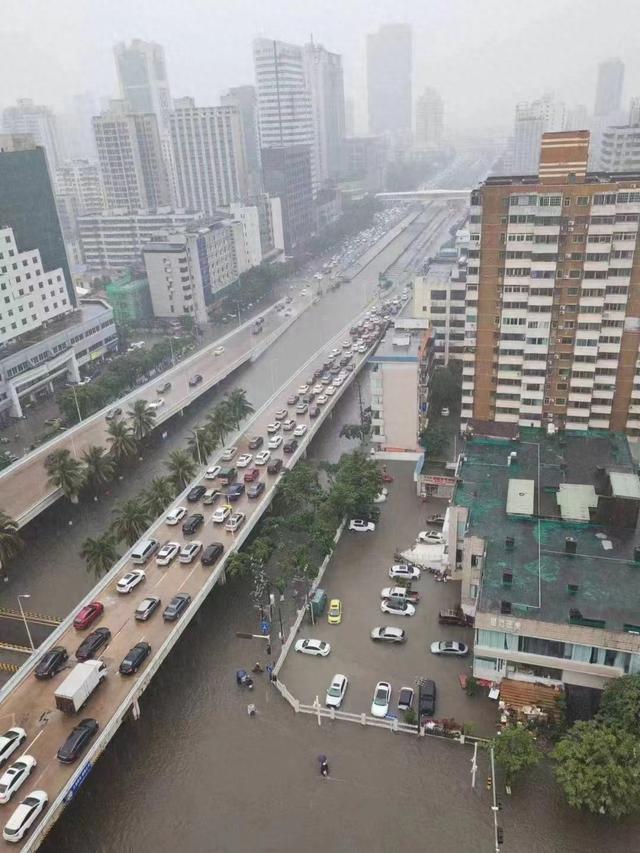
(135, 710)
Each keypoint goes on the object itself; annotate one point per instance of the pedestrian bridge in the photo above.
(425, 195)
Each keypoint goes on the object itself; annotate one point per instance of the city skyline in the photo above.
(485, 49)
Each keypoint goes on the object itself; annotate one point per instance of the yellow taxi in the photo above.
(335, 611)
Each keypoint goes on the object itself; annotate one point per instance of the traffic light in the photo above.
(500, 835)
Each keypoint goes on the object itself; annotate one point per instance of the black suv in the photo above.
(275, 466)
(196, 494)
(256, 442)
(78, 741)
(134, 659)
(52, 662)
(427, 698)
(211, 553)
(235, 492)
(290, 446)
(193, 523)
(93, 644)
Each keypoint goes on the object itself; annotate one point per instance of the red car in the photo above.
(88, 615)
(251, 475)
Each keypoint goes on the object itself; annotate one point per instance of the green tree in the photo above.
(597, 768)
(143, 419)
(10, 541)
(99, 467)
(435, 440)
(131, 520)
(238, 565)
(620, 704)
(121, 440)
(182, 468)
(66, 473)
(158, 495)
(219, 422)
(298, 488)
(238, 406)
(515, 750)
(100, 554)
(445, 388)
(201, 443)
(356, 482)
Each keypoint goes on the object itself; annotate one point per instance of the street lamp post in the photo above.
(195, 432)
(75, 397)
(24, 619)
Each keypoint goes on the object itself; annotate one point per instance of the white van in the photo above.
(144, 550)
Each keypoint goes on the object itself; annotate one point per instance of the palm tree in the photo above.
(143, 419)
(100, 554)
(158, 495)
(10, 540)
(239, 406)
(201, 443)
(132, 519)
(66, 473)
(182, 468)
(121, 440)
(220, 422)
(99, 466)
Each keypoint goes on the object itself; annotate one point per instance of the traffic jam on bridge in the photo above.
(100, 662)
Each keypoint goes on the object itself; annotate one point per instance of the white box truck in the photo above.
(75, 690)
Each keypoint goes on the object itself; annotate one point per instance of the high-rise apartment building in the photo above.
(389, 69)
(577, 118)
(80, 179)
(143, 81)
(552, 323)
(27, 204)
(634, 112)
(246, 100)
(208, 155)
(39, 121)
(287, 175)
(131, 160)
(284, 102)
(620, 149)
(429, 119)
(531, 121)
(609, 87)
(323, 71)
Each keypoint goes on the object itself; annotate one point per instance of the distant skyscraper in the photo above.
(429, 119)
(245, 98)
(40, 122)
(142, 75)
(634, 112)
(287, 175)
(323, 72)
(609, 87)
(208, 155)
(531, 121)
(389, 78)
(577, 118)
(349, 117)
(131, 163)
(27, 205)
(284, 101)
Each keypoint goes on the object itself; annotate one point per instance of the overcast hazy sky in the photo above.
(483, 55)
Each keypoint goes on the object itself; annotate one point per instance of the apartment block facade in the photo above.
(552, 312)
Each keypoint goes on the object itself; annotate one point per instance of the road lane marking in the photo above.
(187, 577)
(160, 581)
(27, 748)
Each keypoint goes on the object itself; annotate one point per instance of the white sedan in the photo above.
(381, 497)
(14, 776)
(218, 351)
(274, 427)
(402, 570)
(25, 816)
(212, 472)
(313, 647)
(321, 399)
(229, 453)
(263, 457)
(317, 389)
(336, 691)
(10, 741)
(176, 515)
(300, 430)
(430, 537)
(190, 551)
(275, 442)
(361, 526)
(167, 553)
(395, 607)
(244, 460)
(303, 389)
(337, 382)
(329, 391)
(130, 581)
(449, 647)
(221, 514)
(381, 699)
